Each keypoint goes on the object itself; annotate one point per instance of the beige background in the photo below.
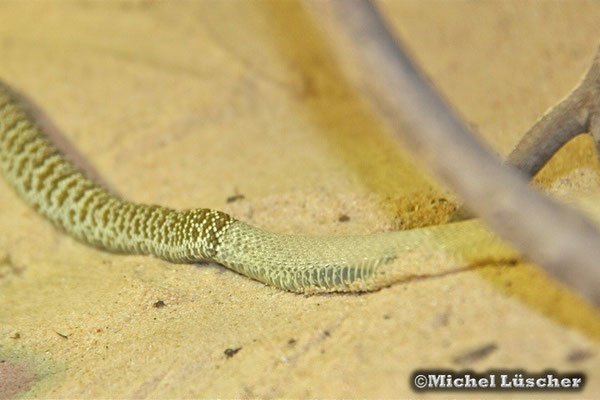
(187, 104)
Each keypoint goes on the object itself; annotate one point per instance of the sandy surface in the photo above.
(188, 105)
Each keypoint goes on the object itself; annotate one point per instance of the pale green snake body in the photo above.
(55, 187)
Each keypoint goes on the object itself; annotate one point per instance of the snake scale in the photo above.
(57, 189)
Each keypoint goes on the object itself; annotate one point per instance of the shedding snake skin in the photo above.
(57, 189)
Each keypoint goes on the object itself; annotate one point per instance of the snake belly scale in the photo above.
(57, 189)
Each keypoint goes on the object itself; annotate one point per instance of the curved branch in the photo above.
(576, 114)
(560, 239)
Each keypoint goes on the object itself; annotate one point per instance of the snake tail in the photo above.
(50, 183)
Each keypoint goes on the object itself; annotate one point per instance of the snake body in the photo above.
(57, 189)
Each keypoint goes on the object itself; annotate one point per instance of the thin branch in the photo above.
(558, 238)
(578, 113)
(571, 117)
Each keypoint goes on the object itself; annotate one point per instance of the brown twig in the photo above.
(578, 113)
(558, 238)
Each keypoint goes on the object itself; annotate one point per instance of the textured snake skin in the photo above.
(51, 184)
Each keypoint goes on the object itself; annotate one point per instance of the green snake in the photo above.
(57, 189)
